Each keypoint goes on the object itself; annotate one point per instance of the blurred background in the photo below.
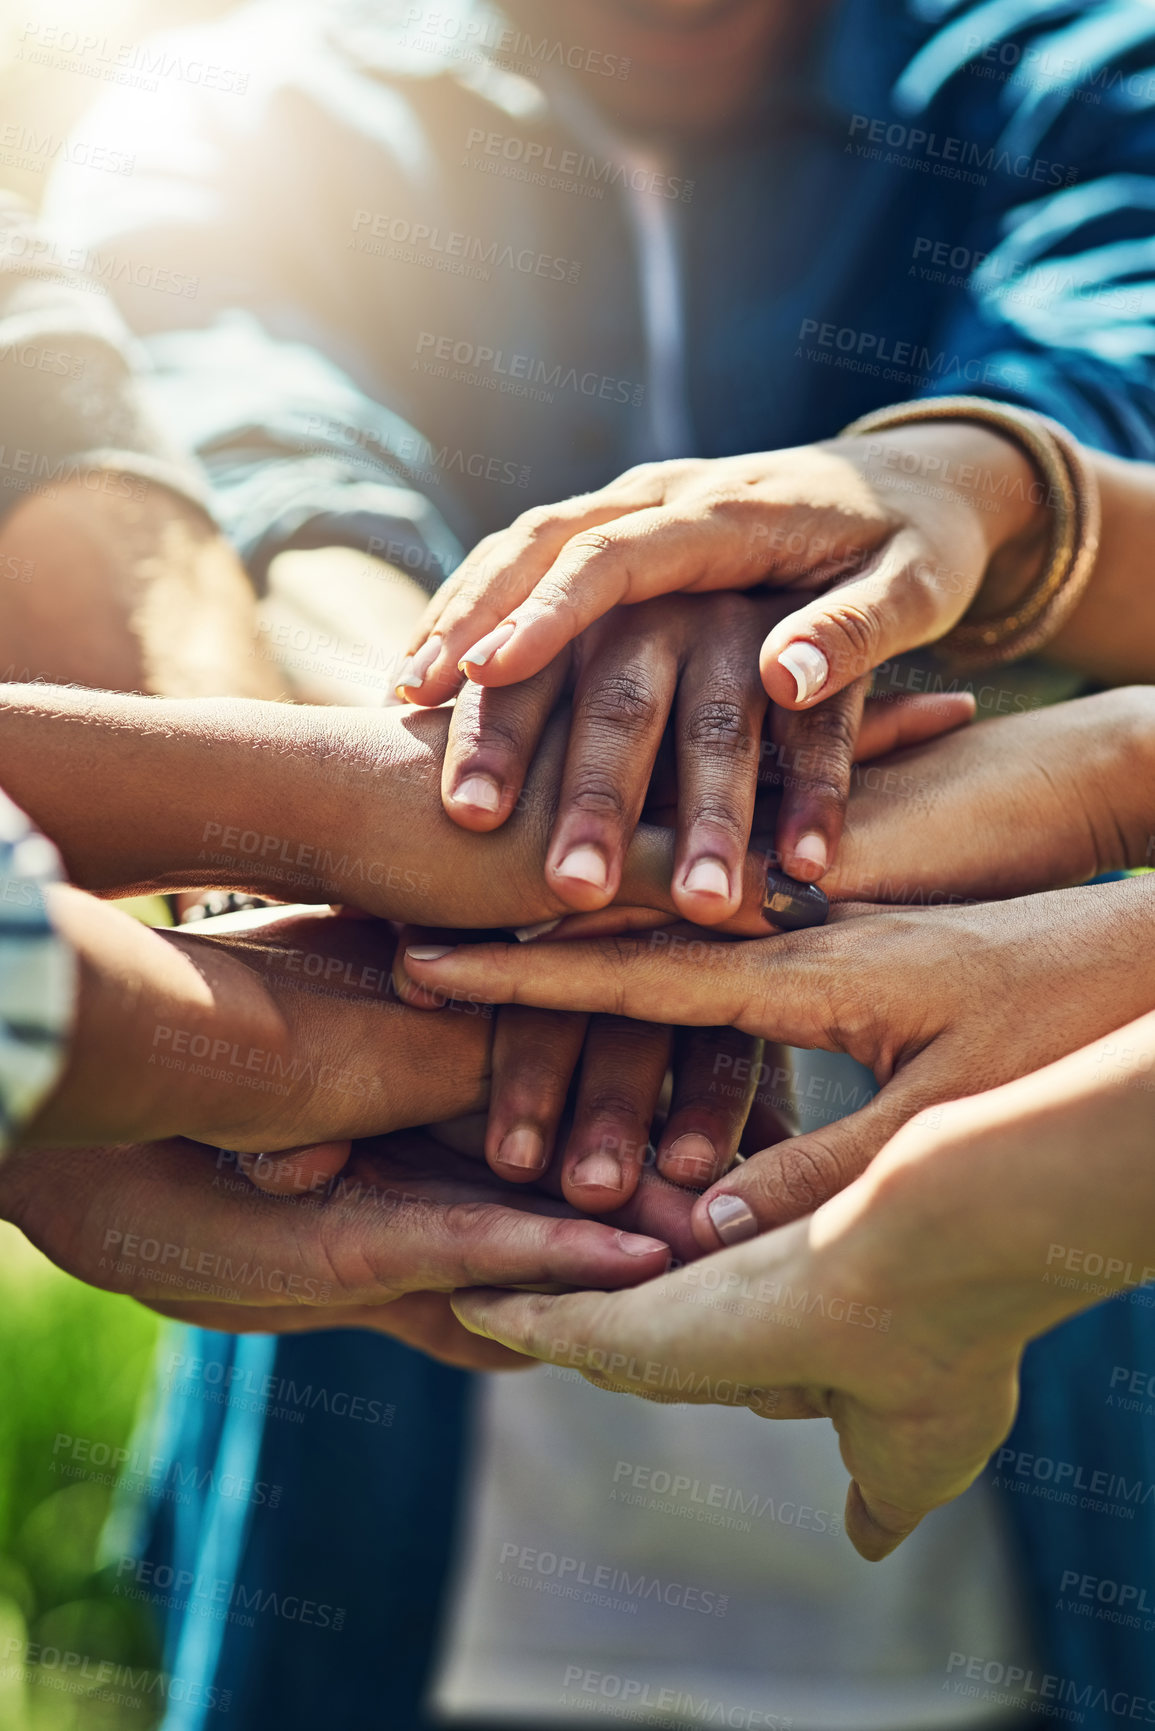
(74, 1362)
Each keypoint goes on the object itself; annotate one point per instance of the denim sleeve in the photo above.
(298, 455)
(70, 398)
(1057, 313)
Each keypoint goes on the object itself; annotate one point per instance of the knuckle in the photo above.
(806, 1177)
(857, 628)
(590, 544)
(623, 700)
(613, 1100)
(594, 796)
(721, 724)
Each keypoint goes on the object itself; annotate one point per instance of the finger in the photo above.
(423, 1320)
(498, 574)
(773, 987)
(493, 736)
(650, 552)
(535, 1053)
(875, 1527)
(715, 1073)
(815, 749)
(296, 1171)
(774, 1112)
(890, 723)
(896, 603)
(792, 1179)
(624, 1064)
(622, 697)
(721, 703)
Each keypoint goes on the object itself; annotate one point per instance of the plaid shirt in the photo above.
(37, 974)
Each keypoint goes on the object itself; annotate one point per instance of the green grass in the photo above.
(73, 1363)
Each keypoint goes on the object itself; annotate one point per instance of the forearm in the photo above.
(161, 794)
(1111, 633)
(1024, 803)
(140, 999)
(119, 583)
(1039, 1196)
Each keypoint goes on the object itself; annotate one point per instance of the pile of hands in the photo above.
(576, 1143)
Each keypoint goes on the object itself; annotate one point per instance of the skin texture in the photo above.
(928, 1295)
(153, 597)
(670, 684)
(178, 1226)
(891, 989)
(869, 564)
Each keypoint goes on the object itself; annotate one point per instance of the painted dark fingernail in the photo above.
(731, 1219)
(791, 905)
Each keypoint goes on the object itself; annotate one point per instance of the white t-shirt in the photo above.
(687, 1565)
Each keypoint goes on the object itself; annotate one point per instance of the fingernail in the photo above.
(487, 646)
(811, 849)
(523, 1148)
(791, 905)
(479, 791)
(600, 1170)
(808, 665)
(429, 952)
(586, 866)
(708, 877)
(412, 674)
(633, 1245)
(526, 934)
(695, 1157)
(731, 1219)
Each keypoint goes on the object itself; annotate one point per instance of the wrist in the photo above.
(162, 1027)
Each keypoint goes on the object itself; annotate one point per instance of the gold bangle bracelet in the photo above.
(1072, 492)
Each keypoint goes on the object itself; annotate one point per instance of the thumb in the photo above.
(876, 1527)
(793, 1178)
(899, 602)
